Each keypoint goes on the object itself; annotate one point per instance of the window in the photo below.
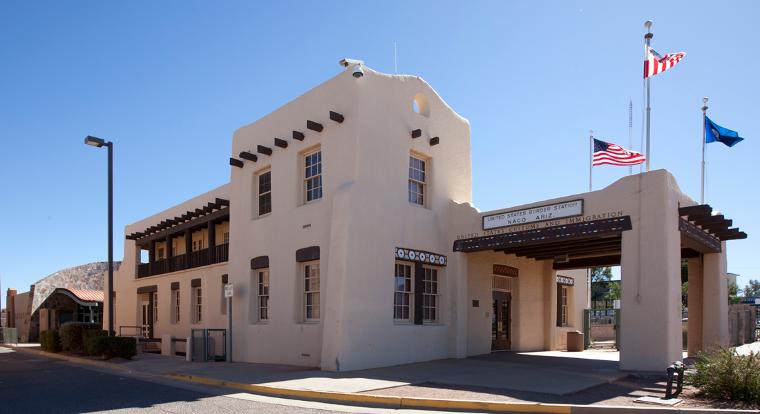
(311, 291)
(430, 295)
(417, 176)
(197, 245)
(262, 277)
(155, 307)
(312, 176)
(416, 289)
(175, 306)
(402, 292)
(197, 305)
(226, 237)
(562, 305)
(265, 192)
(160, 254)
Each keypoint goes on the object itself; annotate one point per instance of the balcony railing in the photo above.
(197, 258)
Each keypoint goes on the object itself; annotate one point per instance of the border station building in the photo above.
(348, 233)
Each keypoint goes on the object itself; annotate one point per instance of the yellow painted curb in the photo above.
(400, 402)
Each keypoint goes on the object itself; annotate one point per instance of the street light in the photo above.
(97, 142)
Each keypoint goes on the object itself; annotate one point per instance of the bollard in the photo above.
(676, 370)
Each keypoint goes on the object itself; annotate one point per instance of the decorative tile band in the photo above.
(420, 256)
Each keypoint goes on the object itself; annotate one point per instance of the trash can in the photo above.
(575, 341)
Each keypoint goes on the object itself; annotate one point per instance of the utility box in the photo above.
(575, 341)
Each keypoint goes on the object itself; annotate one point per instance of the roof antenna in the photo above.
(395, 59)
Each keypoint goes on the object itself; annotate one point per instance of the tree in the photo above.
(752, 290)
(600, 283)
(733, 294)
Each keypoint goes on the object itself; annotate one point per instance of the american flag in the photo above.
(613, 154)
(655, 63)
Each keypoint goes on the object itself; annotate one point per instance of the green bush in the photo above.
(71, 335)
(114, 346)
(724, 375)
(92, 346)
(50, 341)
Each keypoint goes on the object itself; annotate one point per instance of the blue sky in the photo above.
(170, 81)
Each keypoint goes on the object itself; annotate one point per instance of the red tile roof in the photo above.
(88, 295)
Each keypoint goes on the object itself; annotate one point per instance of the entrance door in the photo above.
(501, 321)
(147, 317)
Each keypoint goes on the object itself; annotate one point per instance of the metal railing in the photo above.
(194, 259)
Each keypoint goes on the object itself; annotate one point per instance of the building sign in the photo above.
(504, 270)
(533, 214)
(564, 280)
(434, 259)
(228, 290)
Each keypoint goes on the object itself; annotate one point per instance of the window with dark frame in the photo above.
(265, 192)
(313, 176)
(417, 180)
(263, 294)
(402, 292)
(198, 305)
(562, 309)
(155, 307)
(176, 306)
(311, 291)
(430, 295)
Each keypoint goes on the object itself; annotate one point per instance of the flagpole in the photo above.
(590, 156)
(647, 40)
(704, 120)
(630, 131)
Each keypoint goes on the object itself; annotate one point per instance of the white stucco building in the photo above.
(348, 232)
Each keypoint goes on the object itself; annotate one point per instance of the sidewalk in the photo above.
(518, 382)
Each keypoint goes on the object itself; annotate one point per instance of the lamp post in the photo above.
(97, 142)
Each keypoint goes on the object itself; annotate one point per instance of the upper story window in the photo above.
(160, 254)
(417, 180)
(264, 180)
(197, 245)
(226, 237)
(312, 178)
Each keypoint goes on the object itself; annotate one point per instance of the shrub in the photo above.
(724, 375)
(71, 335)
(114, 346)
(50, 341)
(92, 346)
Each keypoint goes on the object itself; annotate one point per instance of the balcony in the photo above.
(195, 259)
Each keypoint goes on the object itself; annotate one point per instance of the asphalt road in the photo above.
(31, 384)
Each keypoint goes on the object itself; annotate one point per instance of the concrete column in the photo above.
(650, 337)
(458, 272)
(715, 300)
(694, 335)
(550, 305)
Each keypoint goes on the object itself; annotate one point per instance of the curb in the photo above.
(397, 402)
(442, 404)
(70, 358)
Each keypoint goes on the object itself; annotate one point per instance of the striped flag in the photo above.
(613, 154)
(655, 63)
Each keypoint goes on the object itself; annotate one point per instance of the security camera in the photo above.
(346, 62)
(358, 72)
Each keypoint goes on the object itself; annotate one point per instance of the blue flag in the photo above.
(716, 133)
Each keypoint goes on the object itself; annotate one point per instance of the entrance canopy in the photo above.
(584, 244)
(598, 242)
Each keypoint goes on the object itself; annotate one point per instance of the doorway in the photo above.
(501, 321)
(147, 315)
